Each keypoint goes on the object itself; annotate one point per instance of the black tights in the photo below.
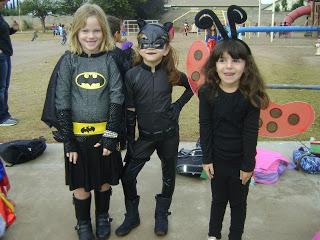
(226, 189)
(167, 150)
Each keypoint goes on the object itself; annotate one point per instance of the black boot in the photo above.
(103, 226)
(131, 219)
(84, 227)
(161, 215)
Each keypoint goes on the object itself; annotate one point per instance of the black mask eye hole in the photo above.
(159, 44)
(145, 45)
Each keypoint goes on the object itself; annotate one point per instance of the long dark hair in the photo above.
(251, 83)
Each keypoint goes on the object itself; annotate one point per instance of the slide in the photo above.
(300, 11)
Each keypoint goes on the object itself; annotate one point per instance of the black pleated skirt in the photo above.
(92, 170)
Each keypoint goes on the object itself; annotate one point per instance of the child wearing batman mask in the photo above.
(149, 102)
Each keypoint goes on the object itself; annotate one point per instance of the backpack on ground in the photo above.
(20, 151)
(307, 161)
(189, 162)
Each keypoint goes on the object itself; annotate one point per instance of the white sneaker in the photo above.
(212, 238)
(9, 122)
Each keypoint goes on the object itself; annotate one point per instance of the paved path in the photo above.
(287, 210)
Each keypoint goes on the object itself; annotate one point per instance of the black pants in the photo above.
(224, 189)
(167, 150)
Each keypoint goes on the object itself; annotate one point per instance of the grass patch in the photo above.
(284, 61)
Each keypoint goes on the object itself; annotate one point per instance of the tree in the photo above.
(151, 9)
(69, 7)
(277, 8)
(284, 5)
(300, 3)
(119, 8)
(40, 9)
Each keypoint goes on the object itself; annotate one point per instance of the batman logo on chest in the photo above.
(90, 80)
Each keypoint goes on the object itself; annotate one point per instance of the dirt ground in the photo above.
(285, 60)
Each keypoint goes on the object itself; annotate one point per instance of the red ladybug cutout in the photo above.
(277, 121)
(285, 120)
(197, 57)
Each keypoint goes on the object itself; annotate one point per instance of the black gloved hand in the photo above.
(110, 139)
(131, 129)
(65, 132)
(109, 143)
(70, 146)
(175, 110)
(129, 153)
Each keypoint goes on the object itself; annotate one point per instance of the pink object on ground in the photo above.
(317, 236)
(269, 166)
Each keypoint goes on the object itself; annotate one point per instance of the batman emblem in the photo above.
(90, 80)
(88, 129)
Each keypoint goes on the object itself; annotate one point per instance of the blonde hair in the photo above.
(79, 21)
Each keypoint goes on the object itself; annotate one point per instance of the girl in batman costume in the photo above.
(88, 101)
(149, 102)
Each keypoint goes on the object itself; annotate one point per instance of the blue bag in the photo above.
(306, 161)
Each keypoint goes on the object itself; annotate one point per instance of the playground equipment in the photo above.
(132, 27)
(278, 29)
(318, 48)
(192, 12)
(312, 10)
(300, 11)
(219, 13)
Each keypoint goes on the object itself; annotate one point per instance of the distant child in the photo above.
(124, 61)
(89, 101)
(123, 57)
(212, 37)
(63, 35)
(186, 28)
(229, 109)
(35, 35)
(149, 103)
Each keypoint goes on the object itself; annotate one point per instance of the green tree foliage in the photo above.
(118, 8)
(277, 8)
(10, 12)
(284, 5)
(68, 7)
(297, 4)
(151, 9)
(39, 8)
(146, 9)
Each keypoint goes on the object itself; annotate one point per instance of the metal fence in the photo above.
(132, 26)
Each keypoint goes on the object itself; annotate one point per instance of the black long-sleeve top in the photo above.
(5, 32)
(228, 131)
(150, 93)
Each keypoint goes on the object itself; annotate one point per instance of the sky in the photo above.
(266, 1)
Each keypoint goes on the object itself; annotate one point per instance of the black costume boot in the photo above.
(103, 226)
(161, 215)
(84, 227)
(131, 219)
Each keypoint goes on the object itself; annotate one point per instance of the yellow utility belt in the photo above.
(89, 128)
